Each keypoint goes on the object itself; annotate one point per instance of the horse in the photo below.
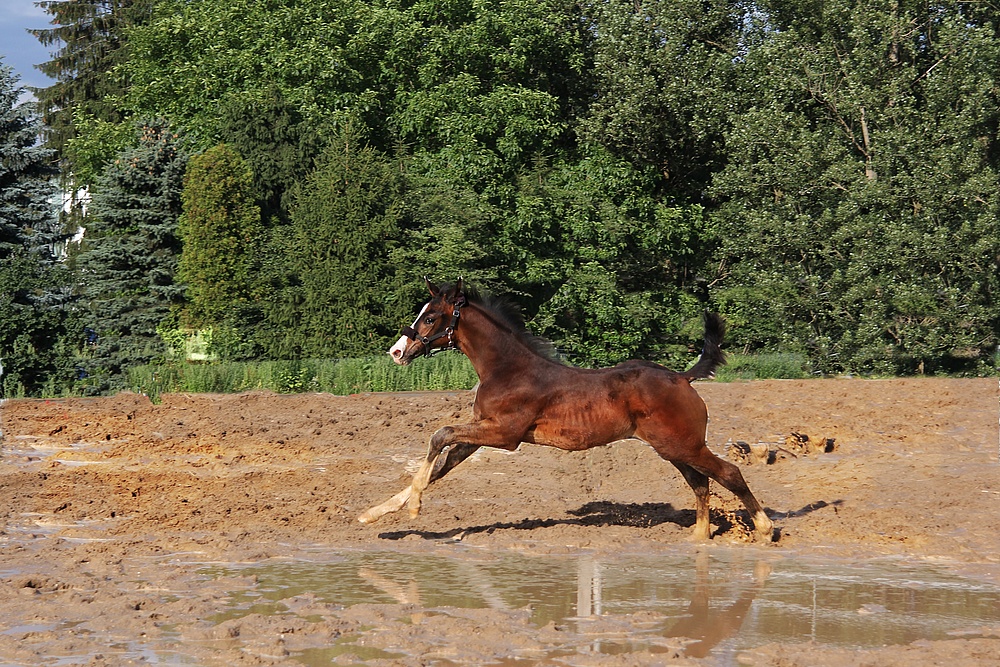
(527, 395)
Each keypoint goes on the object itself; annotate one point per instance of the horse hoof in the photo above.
(414, 506)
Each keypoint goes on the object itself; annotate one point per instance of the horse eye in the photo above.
(429, 320)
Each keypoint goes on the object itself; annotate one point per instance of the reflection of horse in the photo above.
(703, 627)
(708, 625)
(525, 395)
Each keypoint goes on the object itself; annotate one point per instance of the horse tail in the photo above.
(712, 355)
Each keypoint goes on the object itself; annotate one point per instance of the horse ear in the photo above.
(456, 292)
(432, 287)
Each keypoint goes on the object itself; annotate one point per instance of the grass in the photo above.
(764, 366)
(335, 376)
(351, 376)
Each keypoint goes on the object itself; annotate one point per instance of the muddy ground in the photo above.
(112, 508)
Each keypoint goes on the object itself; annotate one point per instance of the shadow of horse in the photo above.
(603, 513)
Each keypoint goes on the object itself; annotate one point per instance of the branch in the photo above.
(931, 68)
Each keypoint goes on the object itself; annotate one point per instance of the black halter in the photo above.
(411, 333)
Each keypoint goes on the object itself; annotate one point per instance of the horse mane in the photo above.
(508, 316)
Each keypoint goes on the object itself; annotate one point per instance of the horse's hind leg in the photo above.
(729, 476)
(699, 484)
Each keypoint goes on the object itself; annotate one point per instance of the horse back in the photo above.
(575, 409)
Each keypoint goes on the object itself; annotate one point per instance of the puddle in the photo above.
(28, 449)
(710, 603)
(25, 528)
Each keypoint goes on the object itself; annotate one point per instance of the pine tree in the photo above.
(277, 143)
(91, 40)
(343, 299)
(130, 252)
(32, 324)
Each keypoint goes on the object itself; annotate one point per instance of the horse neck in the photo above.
(489, 345)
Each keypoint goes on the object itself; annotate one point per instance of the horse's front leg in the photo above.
(463, 441)
(373, 514)
(460, 450)
(421, 480)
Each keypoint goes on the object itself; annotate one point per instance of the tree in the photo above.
(466, 96)
(191, 58)
(90, 35)
(277, 143)
(618, 279)
(482, 90)
(664, 75)
(860, 205)
(220, 233)
(128, 262)
(346, 222)
(33, 325)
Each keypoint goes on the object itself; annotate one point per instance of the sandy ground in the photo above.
(112, 507)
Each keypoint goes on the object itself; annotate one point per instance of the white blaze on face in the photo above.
(397, 350)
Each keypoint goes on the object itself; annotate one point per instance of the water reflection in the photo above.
(709, 625)
(705, 604)
(699, 627)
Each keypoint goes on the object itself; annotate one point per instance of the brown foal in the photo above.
(526, 395)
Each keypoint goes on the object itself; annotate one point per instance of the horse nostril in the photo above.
(397, 352)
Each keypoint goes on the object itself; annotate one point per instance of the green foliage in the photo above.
(280, 147)
(87, 41)
(825, 174)
(664, 73)
(764, 366)
(26, 173)
(94, 146)
(345, 226)
(495, 86)
(35, 325)
(613, 263)
(860, 214)
(129, 256)
(220, 231)
(343, 376)
(446, 235)
(192, 56)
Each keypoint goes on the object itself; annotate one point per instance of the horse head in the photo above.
(435, 324)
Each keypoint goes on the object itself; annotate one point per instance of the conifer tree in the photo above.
(32, 325)
(220, 232)
(128, 262)
(277, 144)
(90, 38)
(343, 296)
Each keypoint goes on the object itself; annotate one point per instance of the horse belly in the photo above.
(579, 430)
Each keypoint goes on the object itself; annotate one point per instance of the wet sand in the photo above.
(135, 533)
